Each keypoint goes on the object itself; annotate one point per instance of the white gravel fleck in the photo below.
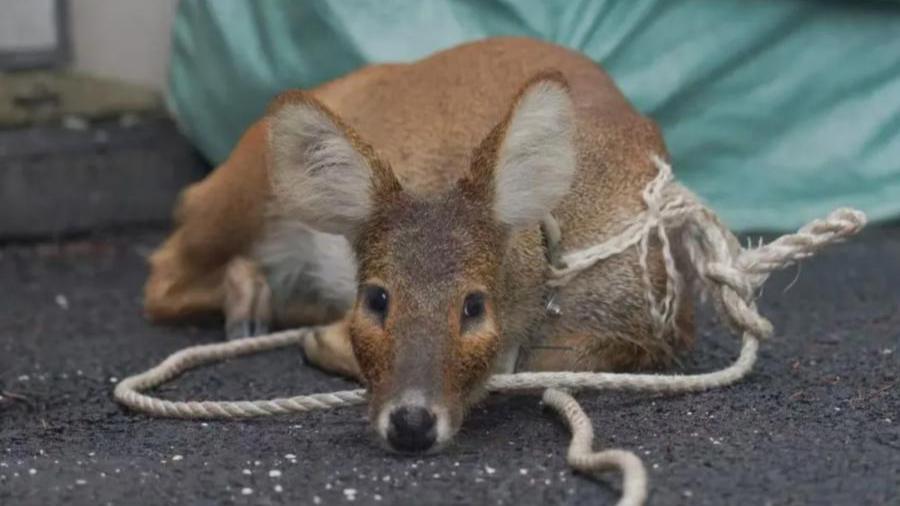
(377, 497)
(278, 489)
(32, 471)
(523, 471)
(489, 470)
(247, 472)
(317, 499)
(274, 473)
(246, 491)
(71, 122)
(80, 482)
(290, 456)
(176, 458)
(61, 301)
(350, 494)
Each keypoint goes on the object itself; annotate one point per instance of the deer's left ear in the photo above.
(322, 173)
(529, 160)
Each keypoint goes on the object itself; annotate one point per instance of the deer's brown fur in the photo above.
(430, 132)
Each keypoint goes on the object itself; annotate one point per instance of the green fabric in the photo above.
(774, 112)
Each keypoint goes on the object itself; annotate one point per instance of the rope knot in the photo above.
(732, 277)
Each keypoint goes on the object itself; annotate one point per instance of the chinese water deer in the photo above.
(399, 208)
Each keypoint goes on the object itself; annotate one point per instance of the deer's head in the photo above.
(426, 326)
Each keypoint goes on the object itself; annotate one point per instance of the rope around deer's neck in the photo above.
(727, 273)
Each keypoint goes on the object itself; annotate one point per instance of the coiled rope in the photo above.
(727, 273)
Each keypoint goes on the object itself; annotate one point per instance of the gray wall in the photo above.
(125, 39)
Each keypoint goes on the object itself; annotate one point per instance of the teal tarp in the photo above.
(774, 112)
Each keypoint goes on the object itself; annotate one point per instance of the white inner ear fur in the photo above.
(537, 158)
(317, 174)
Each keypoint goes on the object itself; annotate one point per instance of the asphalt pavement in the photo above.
(817, 422)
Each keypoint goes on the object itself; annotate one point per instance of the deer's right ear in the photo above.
(321, 171)
(525, 166)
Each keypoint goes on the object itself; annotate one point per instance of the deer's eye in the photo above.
(473, 307)
(376, 300)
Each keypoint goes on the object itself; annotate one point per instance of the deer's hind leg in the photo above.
(216, 220)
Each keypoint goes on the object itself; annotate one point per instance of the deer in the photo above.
(397, 212)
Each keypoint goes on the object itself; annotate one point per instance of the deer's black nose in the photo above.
(411, 429)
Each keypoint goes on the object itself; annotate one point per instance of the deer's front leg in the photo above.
(248, 300)
(329, 348)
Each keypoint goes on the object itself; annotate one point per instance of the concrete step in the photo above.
(74, 177)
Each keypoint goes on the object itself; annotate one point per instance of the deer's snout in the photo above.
(412, 429)
(414, 423)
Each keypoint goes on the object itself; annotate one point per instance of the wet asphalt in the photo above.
(817, 422)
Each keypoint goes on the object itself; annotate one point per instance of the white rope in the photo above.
(128, 391)
(582, 458)
(727, 273)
